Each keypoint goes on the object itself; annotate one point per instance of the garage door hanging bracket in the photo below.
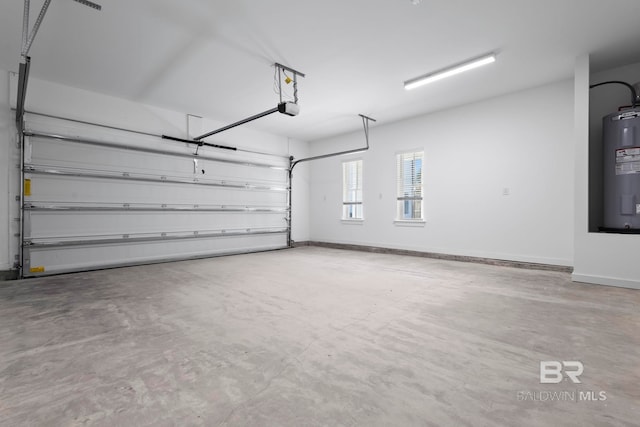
(27, 41)
(365, 124)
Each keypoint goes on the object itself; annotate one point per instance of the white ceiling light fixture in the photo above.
(450, 71)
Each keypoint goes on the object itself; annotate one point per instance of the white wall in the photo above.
(50, 98)
(600, 258)
(521, 142)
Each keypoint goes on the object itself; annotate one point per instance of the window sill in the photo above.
(410, 223)
(352, 221)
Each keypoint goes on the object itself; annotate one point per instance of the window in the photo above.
(352, 190)
(409, 167)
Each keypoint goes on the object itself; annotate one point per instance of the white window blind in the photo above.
(352, 207)
(409, 184)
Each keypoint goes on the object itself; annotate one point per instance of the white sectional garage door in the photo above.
(96, 198)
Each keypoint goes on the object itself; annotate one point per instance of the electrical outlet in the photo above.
(506, 191)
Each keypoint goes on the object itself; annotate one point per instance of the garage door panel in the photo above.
(66, 259)
(121, 191)
(68, 155)
(71, 223)
(62, 154)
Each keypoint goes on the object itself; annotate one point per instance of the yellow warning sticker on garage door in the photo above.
(27, 187)
(39, 269)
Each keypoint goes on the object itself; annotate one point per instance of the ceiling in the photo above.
(214, 58)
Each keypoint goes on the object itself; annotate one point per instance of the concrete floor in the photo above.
(315, 337)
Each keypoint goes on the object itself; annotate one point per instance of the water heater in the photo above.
(621, 144)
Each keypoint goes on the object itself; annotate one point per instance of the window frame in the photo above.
(359, 190)
(401, 187)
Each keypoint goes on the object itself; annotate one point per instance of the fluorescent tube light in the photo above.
(449, 71)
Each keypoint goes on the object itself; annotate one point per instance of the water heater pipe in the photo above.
(634, 94)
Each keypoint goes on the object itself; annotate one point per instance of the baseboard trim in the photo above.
(434, 255)
(8, 275)
(606, 281)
